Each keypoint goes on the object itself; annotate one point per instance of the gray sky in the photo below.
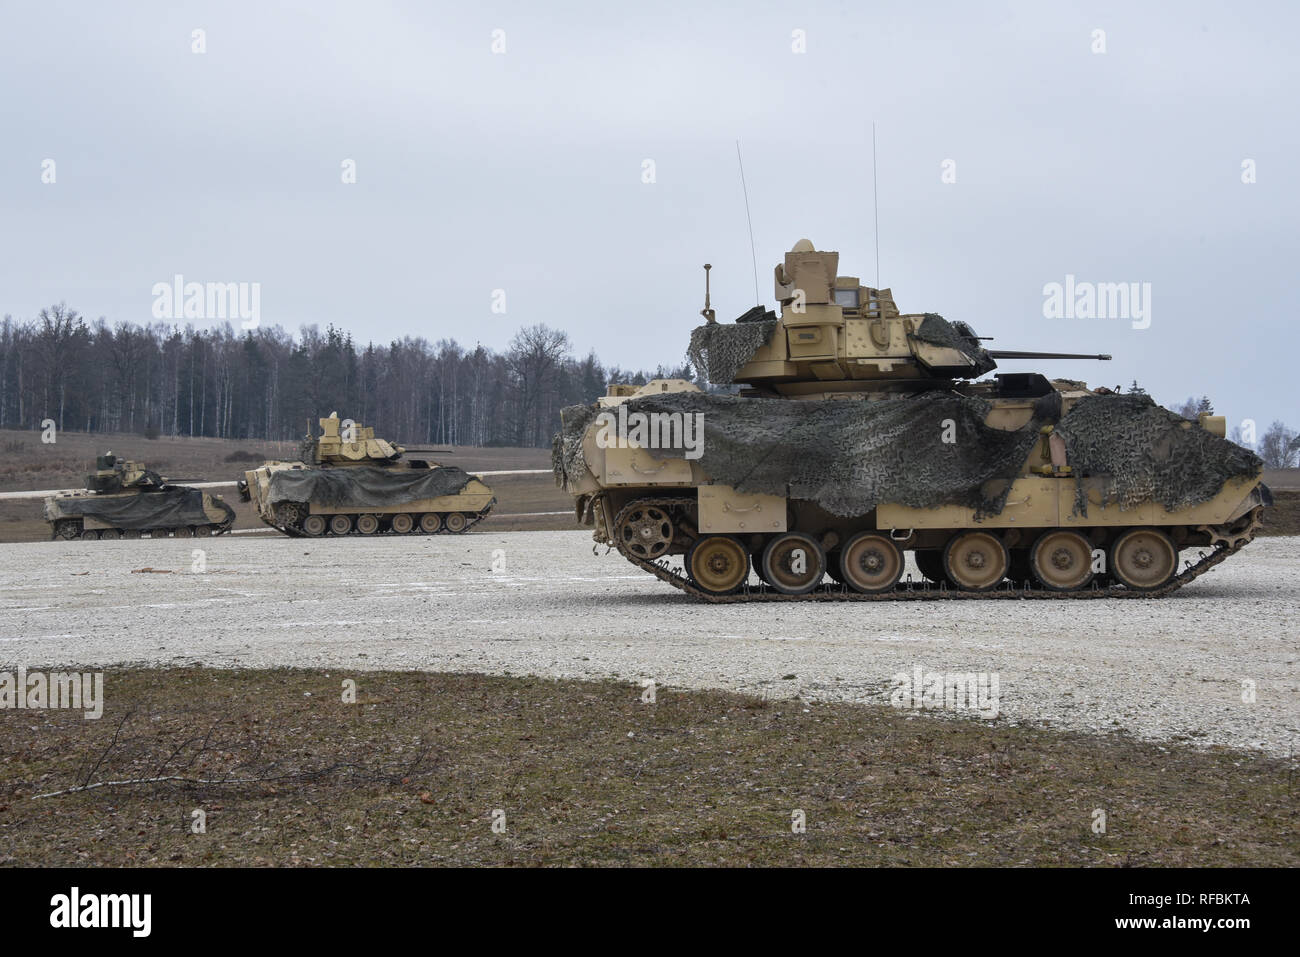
(522, 171)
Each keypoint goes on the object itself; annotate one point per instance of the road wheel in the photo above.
(455, 522)
(929, 562)
(182, 531)
(870, 563)
(718, 564)
(1019, 569)
(645, 531)
(340, 524)
(402, 523)
(367, 524)
(314, 526)
(1062, 560)
(110, 535)
(89, 535)
(976, 561)
(131, 533)
(1143, 559)
(430, 522)
(202, 531)
(793, 564)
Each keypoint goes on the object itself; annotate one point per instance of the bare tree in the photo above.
(1279, 447)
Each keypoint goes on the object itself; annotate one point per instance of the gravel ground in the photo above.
(1171, 669)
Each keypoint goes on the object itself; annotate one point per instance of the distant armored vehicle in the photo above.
(351, 483)
(857, 436)
(126, 500)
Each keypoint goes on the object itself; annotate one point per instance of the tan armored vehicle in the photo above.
(126, 500)
(351, 483)
(857, 437)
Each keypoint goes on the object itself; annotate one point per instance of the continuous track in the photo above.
(907, 590)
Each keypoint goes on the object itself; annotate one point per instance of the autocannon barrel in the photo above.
(1005, 354)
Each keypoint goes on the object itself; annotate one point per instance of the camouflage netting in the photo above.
(365, 486)
(850, 455)
(720, 349)
(567, 461)
(937, 330)
(1148, 453)
(169, 507)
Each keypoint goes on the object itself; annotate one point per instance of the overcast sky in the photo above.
(523, 170)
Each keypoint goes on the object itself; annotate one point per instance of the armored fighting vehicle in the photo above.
(126, 500)
(350, 483)
(860, 434)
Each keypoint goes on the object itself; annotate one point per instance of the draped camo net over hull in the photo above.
(168, 507)
(1149, 453)
(850, 455)
(363, 486)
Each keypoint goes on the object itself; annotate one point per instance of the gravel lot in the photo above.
(1167, 670)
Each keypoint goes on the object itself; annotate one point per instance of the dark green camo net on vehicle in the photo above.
(1148, 453)
(848, 456)
(720, 350)
(169, 506)
(365, 486)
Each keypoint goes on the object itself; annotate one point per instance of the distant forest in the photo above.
(266, 383)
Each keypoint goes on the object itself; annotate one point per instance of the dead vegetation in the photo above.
(286, 773)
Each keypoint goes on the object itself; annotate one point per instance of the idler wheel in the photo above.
(314, 525)
(340, 524)
(646, 532)
(793, 564)
(1062, 560)
(455, 522)
(402, 523)
(1143, 559)
(367, 524)
(976, 561)
(430, 522)
(718, 564)
(870, 563)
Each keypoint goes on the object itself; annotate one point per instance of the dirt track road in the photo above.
(1171, 669)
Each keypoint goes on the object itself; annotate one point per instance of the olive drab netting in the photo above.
(1148, 453)
(365, 486)
(721, 349)
(850, 455)
(937, 330)
(930, 449)
(567, 460)
(168, 507)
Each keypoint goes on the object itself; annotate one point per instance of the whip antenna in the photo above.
(875, 205)
(752, 254)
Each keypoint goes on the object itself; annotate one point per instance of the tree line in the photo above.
(265, 383)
